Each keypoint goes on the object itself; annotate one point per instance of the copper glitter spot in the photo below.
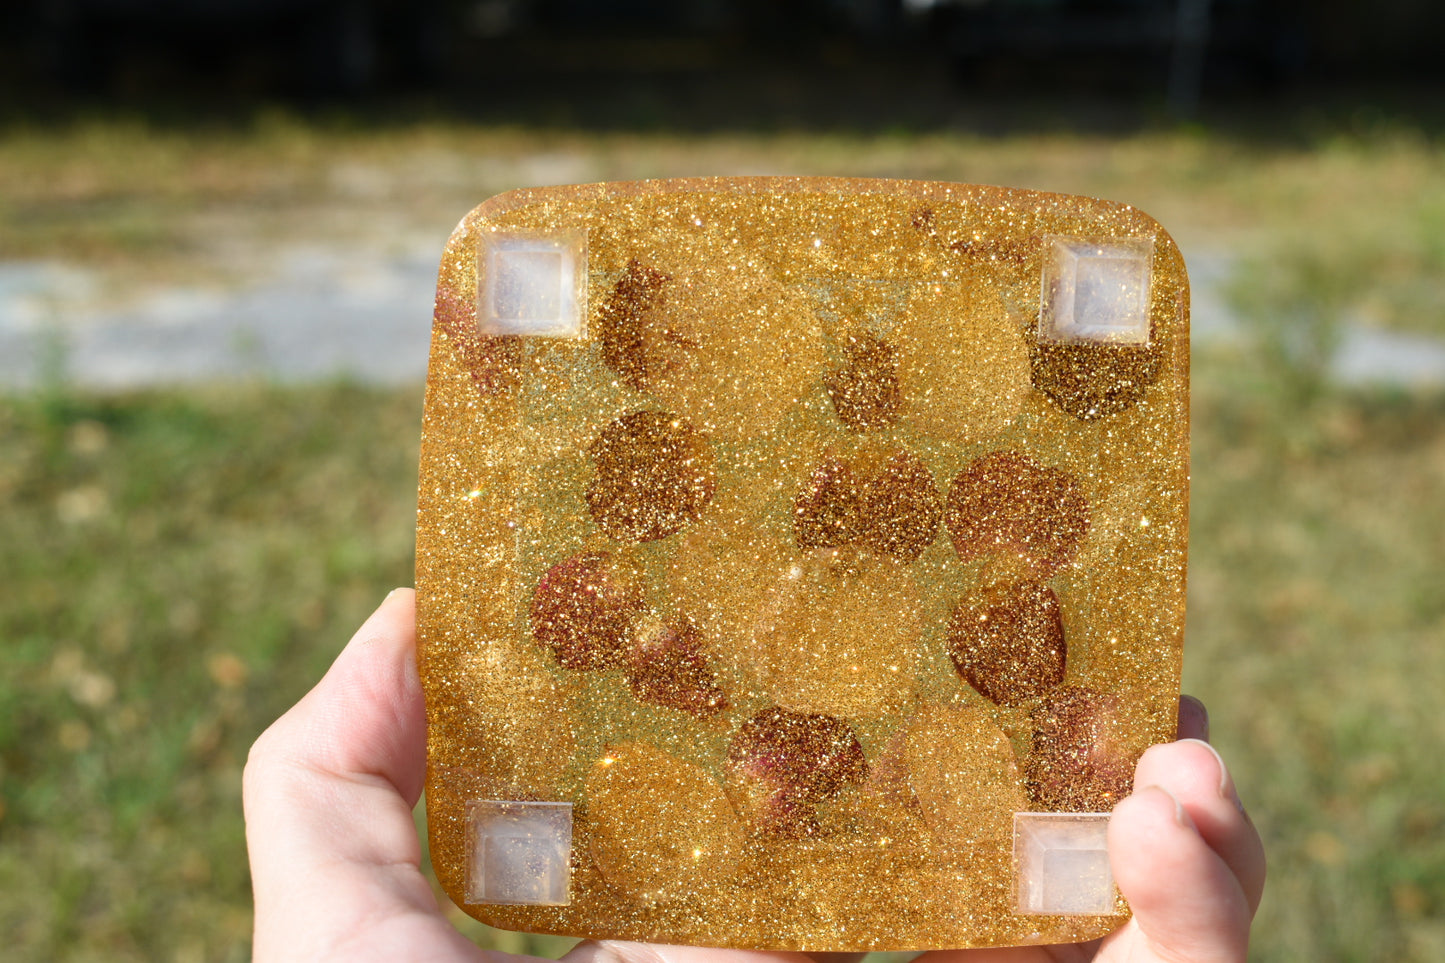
(901, 508)
(1007, 502)
(1079, 759)
(495, 363)
(1008, 642)
(628, 344)
(827, 512)
(893, 511)
(654, 475)
(666, 667)
(1016, 251)
(865, 391)
(584, 610)
(781, 764)
(1092, 381)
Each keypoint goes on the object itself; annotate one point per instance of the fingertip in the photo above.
(1149, 814)
(366, 715)
(1191, 769)
(1148, 823)
(394, 619)
(1193, 773)
(1184, 897)
(1216, 767)
(1139, 824)
(329, 790)
(623, 951)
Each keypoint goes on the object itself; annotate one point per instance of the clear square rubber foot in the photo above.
(532, 285)
(519, 853)
(1096, 291)
(1061, 864)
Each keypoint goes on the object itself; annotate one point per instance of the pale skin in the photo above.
(335, 860)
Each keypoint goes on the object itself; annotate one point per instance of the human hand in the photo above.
(1184, 854)
(336, 864)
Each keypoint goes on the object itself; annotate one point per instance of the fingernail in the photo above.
(1226, 782)
(1198, 707)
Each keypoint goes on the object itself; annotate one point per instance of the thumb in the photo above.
(328, 793)
(1186, 902)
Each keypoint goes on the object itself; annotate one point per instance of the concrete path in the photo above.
(368, 316)
(321, 316)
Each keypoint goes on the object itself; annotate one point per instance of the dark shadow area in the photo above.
(1267, 69)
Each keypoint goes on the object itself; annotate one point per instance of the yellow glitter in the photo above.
(807, 435)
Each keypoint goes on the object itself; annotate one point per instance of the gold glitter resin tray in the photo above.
(800, 561)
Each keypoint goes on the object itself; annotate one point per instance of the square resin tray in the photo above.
(800, 561)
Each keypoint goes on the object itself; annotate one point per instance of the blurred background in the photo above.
(219, 226)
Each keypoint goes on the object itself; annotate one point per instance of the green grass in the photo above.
(180, 567)
(1315, 634)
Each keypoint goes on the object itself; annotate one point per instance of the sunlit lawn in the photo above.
(1364, 208)
(179, 567)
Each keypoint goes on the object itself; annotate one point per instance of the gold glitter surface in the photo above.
(662, 828)
(804, 562)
